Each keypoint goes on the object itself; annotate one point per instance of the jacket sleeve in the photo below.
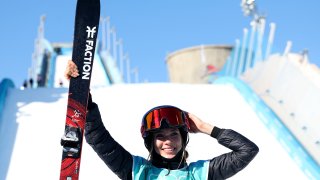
(228, 164)
(111, 152)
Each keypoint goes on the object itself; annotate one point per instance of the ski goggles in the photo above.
(173, 116)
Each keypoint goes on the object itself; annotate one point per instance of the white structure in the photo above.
(290, 86)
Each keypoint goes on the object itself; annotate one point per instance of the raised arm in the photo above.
(111, 152)
(228, 164)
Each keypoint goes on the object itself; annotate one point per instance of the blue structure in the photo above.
(4, 86)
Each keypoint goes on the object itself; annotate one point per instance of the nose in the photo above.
(168, 138)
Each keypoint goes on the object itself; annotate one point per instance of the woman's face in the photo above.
(167, 142)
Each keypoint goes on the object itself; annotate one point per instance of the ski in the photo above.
(84, 43)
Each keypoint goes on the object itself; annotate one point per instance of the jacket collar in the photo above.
(172, 164)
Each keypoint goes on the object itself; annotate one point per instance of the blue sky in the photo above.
(152, 29)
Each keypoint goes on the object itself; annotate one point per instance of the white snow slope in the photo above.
(33, 123)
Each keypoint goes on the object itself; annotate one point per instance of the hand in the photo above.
(71, 70)
(197, 125)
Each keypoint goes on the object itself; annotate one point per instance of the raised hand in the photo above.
(197, 125)
(71, 70)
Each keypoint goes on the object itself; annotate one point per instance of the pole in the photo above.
(243, 52)
(128, 68)
(270, 39)
(108, 35)
(121, 57)
(232, 71)
(102, 20)
(254, 25)
(261, 29)
(136, 74)
(288, 48)
(113, 30)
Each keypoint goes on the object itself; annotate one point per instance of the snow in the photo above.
(33, 123)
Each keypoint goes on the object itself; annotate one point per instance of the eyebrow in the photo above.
(170, 130)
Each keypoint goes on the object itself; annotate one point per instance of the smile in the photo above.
(168, 149)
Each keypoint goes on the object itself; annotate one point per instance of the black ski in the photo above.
(84, 43)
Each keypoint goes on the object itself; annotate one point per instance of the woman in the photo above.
(165, 132)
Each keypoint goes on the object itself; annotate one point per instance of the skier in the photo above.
(165, 132)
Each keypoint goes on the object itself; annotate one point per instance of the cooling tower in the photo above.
(189, 65)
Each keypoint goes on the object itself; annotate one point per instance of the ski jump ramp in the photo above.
(33, 123)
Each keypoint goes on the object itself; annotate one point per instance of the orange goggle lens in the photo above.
(173, 116)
